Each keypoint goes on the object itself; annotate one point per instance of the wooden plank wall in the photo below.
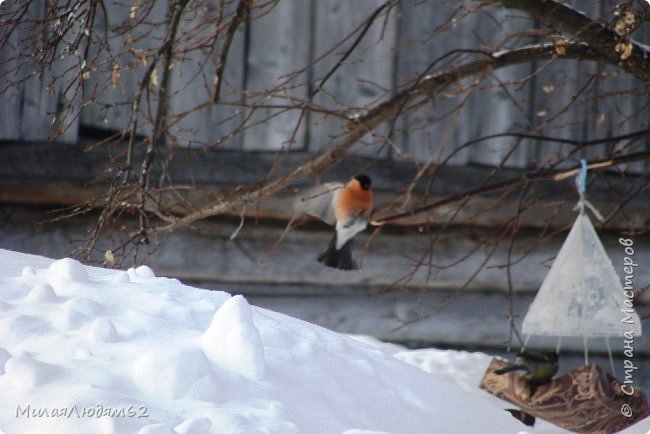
(363, 79)
(457, 307)
(109, 89)
(278, 46)
(193, 82)
(297, 33)
(37, 103)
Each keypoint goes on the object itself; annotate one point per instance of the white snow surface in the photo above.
(91, 350)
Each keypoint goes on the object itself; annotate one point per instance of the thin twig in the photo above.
(241, 16)
(520, 180)
(415, 95)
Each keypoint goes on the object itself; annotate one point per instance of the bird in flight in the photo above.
(348, 207)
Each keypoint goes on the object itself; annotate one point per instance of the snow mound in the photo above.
(27, 373)
(194, 426)
(158, 428)
(28, 271)
(68, 319)
(68, 269)
(180, 369)
(232, 340)
(83, 305)
(4, 356)
(42, 293)
(103, 330)
(142, 272)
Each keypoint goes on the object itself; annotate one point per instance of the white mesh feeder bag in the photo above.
(581, 296)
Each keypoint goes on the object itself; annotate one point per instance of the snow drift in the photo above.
(91, 350)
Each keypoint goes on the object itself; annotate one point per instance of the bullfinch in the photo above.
(537, 368)
(348, 206)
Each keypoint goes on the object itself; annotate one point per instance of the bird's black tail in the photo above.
(341, 259)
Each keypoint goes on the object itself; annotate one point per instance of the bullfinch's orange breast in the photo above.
(353, 200)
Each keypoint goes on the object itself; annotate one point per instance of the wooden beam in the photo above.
(49, 175)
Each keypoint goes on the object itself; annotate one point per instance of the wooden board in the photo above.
(423, 33)
(193, 81)
(46, 174)
(43, 102)
(278, 49)
(469, 109)
(362, 80)
(108, 96)
(293, 35)
(501, 102)
(559, 85)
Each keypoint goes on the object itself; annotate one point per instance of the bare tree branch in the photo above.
(581, 143)
(565, 19)
(357, 128)
(241, 16)
(413, 96)
(525, 179)
(114, 66)
(167, 50)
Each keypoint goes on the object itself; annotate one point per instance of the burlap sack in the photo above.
(585, 400)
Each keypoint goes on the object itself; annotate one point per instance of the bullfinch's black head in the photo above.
(364, 181)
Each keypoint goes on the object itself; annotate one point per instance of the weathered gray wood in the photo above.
(278, 49)
(251, 258)
(492, 111)
(473, 318)
(193, 81)
(563, 106)
(423, 32)
(294, 33)
(389, 257)
(119, 68)
(555, 87)
(560, 84)
(44, 101)
(362, 80)
(624, 113)
(467, 110)
(479, 212)
(11, 119)
(644, 103)
(290, 280)
(45, 174)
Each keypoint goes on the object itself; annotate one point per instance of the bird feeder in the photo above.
(584, 400)
(581, 296)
